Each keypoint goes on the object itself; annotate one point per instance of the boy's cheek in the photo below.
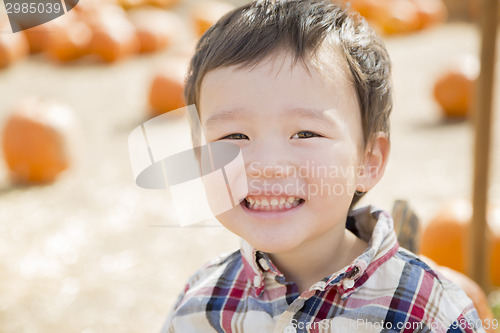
(225, 189)
(332, 188)
(224, 177)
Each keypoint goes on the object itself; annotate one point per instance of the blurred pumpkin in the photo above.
(156, 28)
(454, 88)
(206, 13)
(39, 36)
(167, 87)
(162, 3)
(90, 7)
(396, 16)
(13, 46)
(445, 238)
(36, 140)
(69, 39)
(128, 4)
(471, 288)
(113, 35)
(366, 8)
(430, 12)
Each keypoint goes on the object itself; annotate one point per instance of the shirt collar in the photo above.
(369, 223)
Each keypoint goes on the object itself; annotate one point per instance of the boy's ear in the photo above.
(374, 162)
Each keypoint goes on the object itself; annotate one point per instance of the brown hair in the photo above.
(250, 33)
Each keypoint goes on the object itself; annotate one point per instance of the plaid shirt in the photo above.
(386, 289)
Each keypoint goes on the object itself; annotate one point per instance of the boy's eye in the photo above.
(235, 136)
(305, 135)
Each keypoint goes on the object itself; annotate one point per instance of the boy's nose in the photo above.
(272, 161)
(264, 170)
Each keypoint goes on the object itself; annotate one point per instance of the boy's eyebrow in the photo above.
(318, 114)
(224, 115)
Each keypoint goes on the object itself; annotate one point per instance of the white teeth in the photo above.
(273, 203)
(282, 203)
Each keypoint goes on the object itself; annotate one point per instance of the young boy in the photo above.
(303, 88)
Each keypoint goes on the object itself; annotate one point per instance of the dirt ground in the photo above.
(95, 253)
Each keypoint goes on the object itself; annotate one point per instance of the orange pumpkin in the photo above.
(90, 7)
(365, 8)
(396, 16)
(13, 46)
(128, 4)
(36, 140)
(445, 238)
(167, 88)
(162, 3)
(39, 36)
(69, 39)
(454, 88)
(400, 16)
(430, 12)
(206, 13)
(113, 36)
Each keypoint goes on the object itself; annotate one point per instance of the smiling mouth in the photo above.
(271, 204)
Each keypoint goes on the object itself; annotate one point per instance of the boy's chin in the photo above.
(269, 246)
(278, 236)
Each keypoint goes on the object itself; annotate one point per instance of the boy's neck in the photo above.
(314, 261)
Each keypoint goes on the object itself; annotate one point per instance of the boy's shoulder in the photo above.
(218, 276)
(429, 277)
(431, 296)
(220, 268)
(205, 292)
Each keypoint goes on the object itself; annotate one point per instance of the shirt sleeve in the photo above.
(194, 320)
(468, 320)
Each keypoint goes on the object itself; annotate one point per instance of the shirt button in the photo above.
(290, 329)
(257, 280)
(348, 283)
(263, 263)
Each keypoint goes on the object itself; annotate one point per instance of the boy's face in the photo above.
(300, 134)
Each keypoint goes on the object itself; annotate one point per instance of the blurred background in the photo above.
(83, 249)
